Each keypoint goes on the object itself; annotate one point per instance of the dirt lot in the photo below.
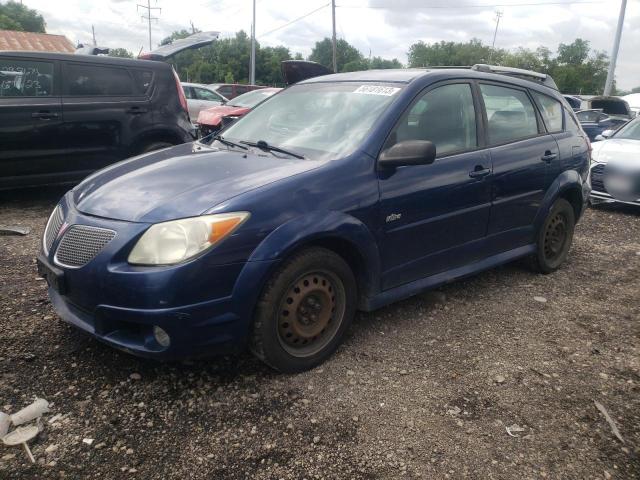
(422, 389)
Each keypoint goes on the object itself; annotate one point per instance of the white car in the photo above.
(201, 97)
(615, 166)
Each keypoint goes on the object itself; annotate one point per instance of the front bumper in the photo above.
(599, 193)
(206, 308)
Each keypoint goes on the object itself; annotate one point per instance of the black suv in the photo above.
(63, 116)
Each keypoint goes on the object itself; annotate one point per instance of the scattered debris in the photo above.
(5, 422)
(609, 420)
(499, 379)
(135, 376)
(454, 411)
(88, 441)
(14, 230)
(540, 299)
(20, 436)
(55, 418)
(514, 428)
(33, 411)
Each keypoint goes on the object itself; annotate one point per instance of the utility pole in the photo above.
(333, 38)
(149, 17)
(608, 86)
(252, 68)
(93, 31)
(495, 33)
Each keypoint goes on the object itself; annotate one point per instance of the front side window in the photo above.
(318, 120)
(90, 80)
(445, 116)
(631, 131)
(589, 116)
(25, 78)
(188, 92)
(551, 110)
(226, 90)
(510, 114)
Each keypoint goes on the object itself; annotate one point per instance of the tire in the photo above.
(304, 311)
(150, 147)
(554, 237)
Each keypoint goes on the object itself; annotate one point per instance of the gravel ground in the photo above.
(425, 388)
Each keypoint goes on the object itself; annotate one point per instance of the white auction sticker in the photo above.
(376, 90)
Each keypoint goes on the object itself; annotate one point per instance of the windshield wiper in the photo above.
(262, 145)
(228, 143)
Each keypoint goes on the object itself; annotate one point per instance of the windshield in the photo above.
(251, 99)
(630, 131)
(318, 120)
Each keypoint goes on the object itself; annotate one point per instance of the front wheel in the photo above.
(304, 311)
(555, 237)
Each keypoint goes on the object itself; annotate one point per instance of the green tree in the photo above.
(452, 53)
(635, 90)
(120, 52)
(378, 63)
(15, 16)
(346, 54)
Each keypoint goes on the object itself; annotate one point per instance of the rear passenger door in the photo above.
(435, 216)
(105, 109)
(521, 153)
(30, 118)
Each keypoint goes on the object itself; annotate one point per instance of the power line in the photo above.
(149, 17)
(493, 5)
(294, 20)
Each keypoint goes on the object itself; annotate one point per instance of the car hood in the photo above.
(213, 116)
(616, 148)
(179, 182)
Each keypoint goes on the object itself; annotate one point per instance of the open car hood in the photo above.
(294, 71)
(196, 40)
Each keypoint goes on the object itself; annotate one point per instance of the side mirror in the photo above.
(607, 133)
(598, 138)
(408, 152)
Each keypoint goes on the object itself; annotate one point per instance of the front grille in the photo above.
(80, 244)
(597, 178)
(52, 228)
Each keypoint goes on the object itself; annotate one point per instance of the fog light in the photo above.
(161, 336)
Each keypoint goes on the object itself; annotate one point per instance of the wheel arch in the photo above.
(341, 233)
(568, 185)
(151, 136)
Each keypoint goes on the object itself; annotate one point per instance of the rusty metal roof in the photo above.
(34, 42)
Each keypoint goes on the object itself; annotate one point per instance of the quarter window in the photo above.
(25, 78)
(551, 112)
(142, 80)
(510, 114)
(89, 80)
(445, 116)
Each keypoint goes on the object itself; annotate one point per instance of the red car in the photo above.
(213, 119)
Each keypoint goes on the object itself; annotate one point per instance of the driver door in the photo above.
(435, 216)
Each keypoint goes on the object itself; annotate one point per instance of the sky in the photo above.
(384, 28)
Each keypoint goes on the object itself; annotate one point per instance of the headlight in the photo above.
(173, 242)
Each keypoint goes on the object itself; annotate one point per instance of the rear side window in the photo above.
(96, 80)
(572, 125)
(510, 114)
(241, 89)
(188, 93)
(25, 78)
(445, 116)
(551, 110)
(204, 94)
(142, 81)
(226, 91)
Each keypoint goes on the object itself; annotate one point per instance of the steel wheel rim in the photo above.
(310, 313)
(555, 237)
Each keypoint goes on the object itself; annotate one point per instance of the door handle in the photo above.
(136, 110)
(44, 115)
(549, 157)
(479, 172)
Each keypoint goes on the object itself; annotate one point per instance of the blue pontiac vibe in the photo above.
(341, 193)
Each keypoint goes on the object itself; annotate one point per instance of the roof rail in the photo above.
(530, 75)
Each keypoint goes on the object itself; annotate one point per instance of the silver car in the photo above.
(615, 166)
(201, 97)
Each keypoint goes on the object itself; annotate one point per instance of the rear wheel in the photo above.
(304, 312)
(555, 237)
